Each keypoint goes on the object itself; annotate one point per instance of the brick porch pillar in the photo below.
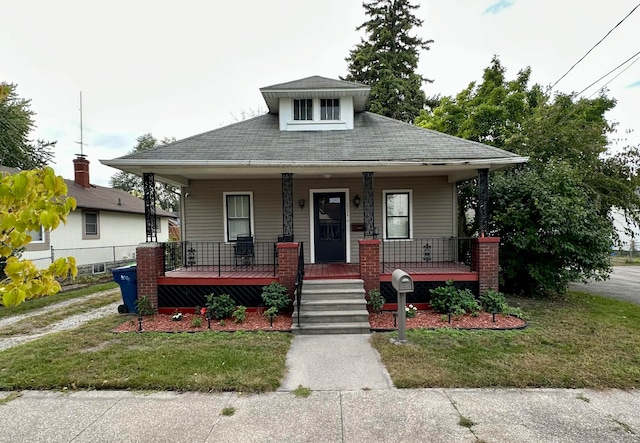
(370, 264)
(288, 266)
(150, 261)
(485, 260)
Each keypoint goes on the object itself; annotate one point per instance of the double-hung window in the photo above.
(303, 109)
(91, 225)
(329, 109)
(397, 217)
(238, 213)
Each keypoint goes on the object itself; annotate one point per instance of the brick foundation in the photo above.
(150, 262)
(485, 260)
(288, 266)
(370, 264)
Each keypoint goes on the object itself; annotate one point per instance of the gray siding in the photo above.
(433, 207)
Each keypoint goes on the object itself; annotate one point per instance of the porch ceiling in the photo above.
(181, 173)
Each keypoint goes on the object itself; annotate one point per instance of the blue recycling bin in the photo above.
(127, 278)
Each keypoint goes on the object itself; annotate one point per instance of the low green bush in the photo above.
(450, 300)
(275, 296)
(376, 300)
(220, 306)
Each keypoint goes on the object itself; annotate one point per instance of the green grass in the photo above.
(584, 341)
(39, 303)
(91, 357)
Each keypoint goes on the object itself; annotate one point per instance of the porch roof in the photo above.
(258, 148)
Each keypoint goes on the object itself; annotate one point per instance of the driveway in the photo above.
(623, 284)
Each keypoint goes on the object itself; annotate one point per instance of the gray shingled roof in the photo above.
(108, 199)
(315, 82)
(101, 198)
(374, 138)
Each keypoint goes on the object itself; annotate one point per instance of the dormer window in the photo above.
(329, 109)
(303, 109)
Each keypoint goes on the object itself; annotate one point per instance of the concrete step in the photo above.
(333, 284)
(331, 328)
(332, 316)
(333, 304)
(333, 294)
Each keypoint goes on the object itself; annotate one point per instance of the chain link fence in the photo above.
(92, 260)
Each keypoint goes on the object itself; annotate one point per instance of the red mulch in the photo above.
(255, 321)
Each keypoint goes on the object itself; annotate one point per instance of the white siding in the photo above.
(120, 233)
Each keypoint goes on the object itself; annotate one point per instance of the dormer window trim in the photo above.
(303, 109)
(316, 110)
(330, 109)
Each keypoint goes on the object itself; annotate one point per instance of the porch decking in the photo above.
(257, 274)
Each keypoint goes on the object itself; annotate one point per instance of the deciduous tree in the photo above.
(31, 200)
(554, 213)
(16, 123)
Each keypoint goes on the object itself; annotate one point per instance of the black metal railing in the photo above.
(219, 257)
(426, 253)
(299, 278)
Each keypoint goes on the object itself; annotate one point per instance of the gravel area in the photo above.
(70, 322)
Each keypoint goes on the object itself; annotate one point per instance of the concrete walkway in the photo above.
(334, 362)
(418, 415)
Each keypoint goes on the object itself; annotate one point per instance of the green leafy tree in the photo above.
(30, 200)
(388, 59)
(166, 195)
(554, 213)
(16, 122)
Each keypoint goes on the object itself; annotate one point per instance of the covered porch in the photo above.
(183, 278)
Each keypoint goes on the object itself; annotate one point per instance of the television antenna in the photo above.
(81, 142)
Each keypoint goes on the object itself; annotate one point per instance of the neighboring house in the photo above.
(104, 230)
(357, 193)
(629, 243)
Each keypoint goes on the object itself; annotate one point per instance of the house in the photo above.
(104, 230)
(316, 189)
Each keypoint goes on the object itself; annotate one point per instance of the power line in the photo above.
(594, 46)
(618, 75)
(614, 69)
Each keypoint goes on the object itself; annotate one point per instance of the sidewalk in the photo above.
(421, 415)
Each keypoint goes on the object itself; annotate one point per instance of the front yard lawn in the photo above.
(584, 341)
(91, 357)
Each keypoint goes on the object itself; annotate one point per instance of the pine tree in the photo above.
(388, 59)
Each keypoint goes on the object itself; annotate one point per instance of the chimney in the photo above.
(81, 169)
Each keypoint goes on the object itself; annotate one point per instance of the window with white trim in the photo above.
(329, 109)
(303, 109)
(91, 226)
(238, 215)
(397, 215)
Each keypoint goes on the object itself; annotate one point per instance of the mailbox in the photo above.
(401, 281)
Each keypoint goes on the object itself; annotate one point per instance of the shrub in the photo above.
(240, 314)
(447, 299)
(494, 301)
(410, 311)
(144, 306)
(220, 306)
(275, 296)
(376, 300)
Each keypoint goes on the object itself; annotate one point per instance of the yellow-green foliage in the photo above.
(30, 200)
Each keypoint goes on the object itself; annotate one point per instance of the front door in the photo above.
(330, 227)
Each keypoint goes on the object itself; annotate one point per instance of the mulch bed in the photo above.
(255, 321)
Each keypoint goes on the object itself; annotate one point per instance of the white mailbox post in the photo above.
(402, 283)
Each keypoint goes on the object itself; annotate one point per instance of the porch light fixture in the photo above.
(356, 200)
(301, 202)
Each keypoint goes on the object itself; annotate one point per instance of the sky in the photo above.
(177, 69)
